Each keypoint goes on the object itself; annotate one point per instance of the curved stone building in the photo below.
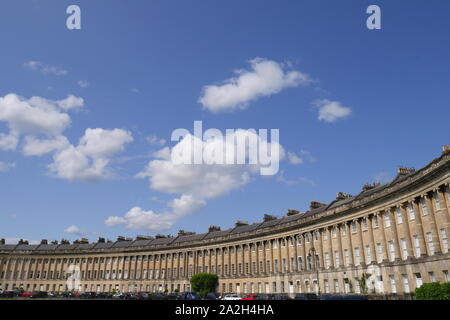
(387, 239)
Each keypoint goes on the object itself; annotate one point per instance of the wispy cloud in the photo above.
(281, 178)
(331, 111)
(5, 166)
(153, 140)
(44, 68)
(83, 83)
(74, 230)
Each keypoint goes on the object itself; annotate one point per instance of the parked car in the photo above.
(26, 294)
(306, 296)
(250, 297)
(143, 296)
(263, 296)
(212, 296)
(190, 296)
(39, 295)
(88, 295)
(103, 295)
(281, 297)
(232, 296)
(173, 296)
(7, 294)
(159, 296)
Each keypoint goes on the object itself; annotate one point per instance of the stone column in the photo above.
(419, 229)
(373, 250)
(350, 243)
(434, 226)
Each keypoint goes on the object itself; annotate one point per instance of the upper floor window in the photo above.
(364, 222)
(437, 201)
(334, 232)
(430, 242)
(375, 221)
(444, 241)
(299, 240)
(353, 226)
(316, 236)
(411, 212)
(423, 201)
(387, 220)
(307, 237)
(399, 215)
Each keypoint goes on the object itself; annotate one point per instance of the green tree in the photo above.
(432, 291)
(203, 283)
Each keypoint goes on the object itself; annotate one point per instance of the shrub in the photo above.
(433, 291)
(203, 283)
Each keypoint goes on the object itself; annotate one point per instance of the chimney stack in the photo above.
(315, 205)
(213, 228)
(240, 223)
(269, 217)
(141, 237)
(405, 171)
(185, 233)
(292, 212)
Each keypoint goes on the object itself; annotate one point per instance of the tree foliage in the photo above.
(433, 291)
(203, 283)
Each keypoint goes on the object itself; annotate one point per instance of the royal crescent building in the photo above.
(388, 239)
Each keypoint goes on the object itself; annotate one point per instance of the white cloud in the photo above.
(265, 78)
(42, 122)
(71, 102)
(139, 219)
(89, 160)
(185, 205)
(155, 141)
(34, 117)
(330, 111)
(5, 166)
(294, 159)
(45, 69)
(203, 181)
(83, 83)
(163, 153)
(38, 147)
(195, 184)
(74, 230)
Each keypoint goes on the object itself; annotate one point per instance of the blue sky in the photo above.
(141, 67)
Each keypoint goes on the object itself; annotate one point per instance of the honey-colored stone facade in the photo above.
(394, 236)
